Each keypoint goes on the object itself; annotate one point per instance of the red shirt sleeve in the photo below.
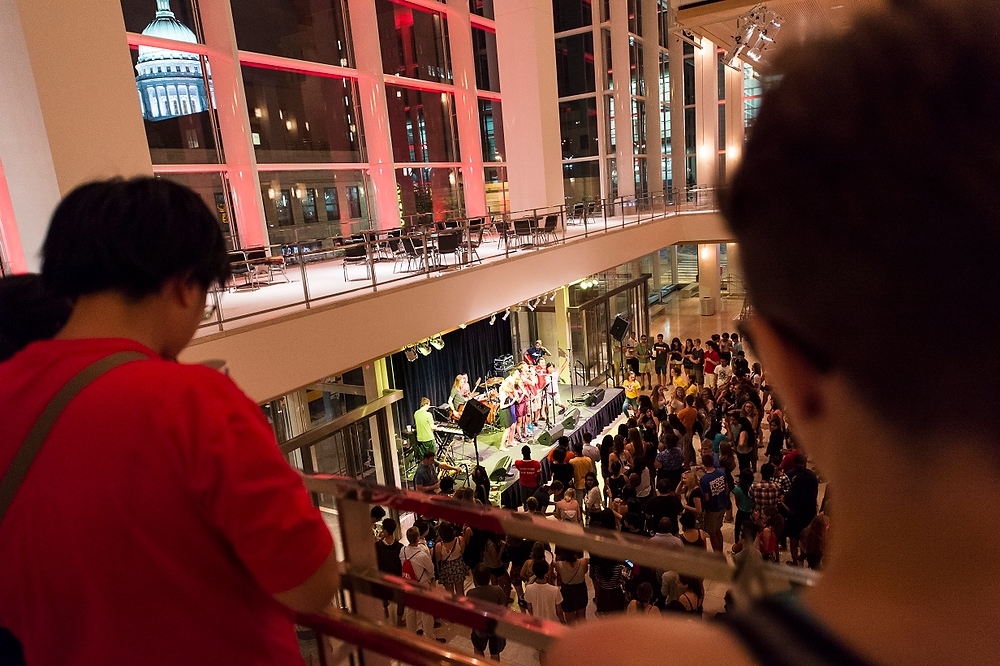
(256, 500)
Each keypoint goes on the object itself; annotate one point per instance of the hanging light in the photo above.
(462, 325)
(424, 348)
(411, 354)
(506, 314)
(531, 305)
(493, 319)
(437, 342)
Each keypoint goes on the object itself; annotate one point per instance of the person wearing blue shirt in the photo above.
(716, 500)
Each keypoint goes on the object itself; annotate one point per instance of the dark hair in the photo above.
(446, 531)
(481, 575)
(377, 513)
(447, 485)
(559, 455)
(615, 468)
(826, 149)
(688, 520)
(531, 505)
(526, 451)
(707, 460)
(663, 485)
(428, 454)
(746, 479)
(563, 441)
(540, 568)
(28, 312)
(587, 437)
(131, 236)
(766, 472)
(644, 593)
(665, 526)
(389, 526)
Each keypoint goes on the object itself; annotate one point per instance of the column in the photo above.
(706, 66)
(234, 124)
(467, 107)
(678, 151)
(657, 278)
(51, 59)
(527, 61)
(564, 339)
(624, 149)
(374, 112)
(672, 257)
(651, 65)
(709, 283)
(735, 128)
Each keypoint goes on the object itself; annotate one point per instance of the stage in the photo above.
(591, 419)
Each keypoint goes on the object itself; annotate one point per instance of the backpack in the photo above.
(409, 573)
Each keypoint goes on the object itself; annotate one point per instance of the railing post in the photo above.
(427, 263)
(468, 238)
(218, 307)
(302, 269)
(370, 244)
(604, 211)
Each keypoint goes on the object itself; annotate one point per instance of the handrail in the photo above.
(593, 215)
(604, 543)
(315, 435)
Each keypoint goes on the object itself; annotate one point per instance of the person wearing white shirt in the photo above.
(418, 557)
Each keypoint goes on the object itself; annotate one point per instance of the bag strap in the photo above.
(21, 463)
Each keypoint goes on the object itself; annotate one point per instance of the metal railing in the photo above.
(366, 589)
(424, 249)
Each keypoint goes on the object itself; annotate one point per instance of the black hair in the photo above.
(447, 485)
(540, 568)
(377, 513)
(826, 149)
(766, 472)
(131, 236)
(689, 520)
(28, 313)
(446, 531)
(389, 526)
(481, 575)
(663, 485)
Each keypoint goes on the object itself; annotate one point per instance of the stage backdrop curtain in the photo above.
(468, 350)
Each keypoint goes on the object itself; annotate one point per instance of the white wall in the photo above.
(280, 355)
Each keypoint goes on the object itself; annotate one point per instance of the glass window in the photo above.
(292, 214)
(635, 17)
(609, 105)
(300, 118)
(638, 126)
(569, 14)
(582, 181)
(575, 64)
(491, 130)
(422, 124)
(497, 196)
(414, 42)
(314, 31)
(213, 188)
(609, 78)
(427, 194)
(688, 78)
(663, 23)
(690, 138)
(177, 103)
(482, 8)
(636, 67)
(484, 49)
(722, 127)
(641, 187)
(612, 176)
(578, 125)
(166, 19)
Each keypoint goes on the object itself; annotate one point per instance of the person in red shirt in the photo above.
(158, 523)
(529, 474)
(712, 359)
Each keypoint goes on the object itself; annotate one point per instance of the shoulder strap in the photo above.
(21, 463)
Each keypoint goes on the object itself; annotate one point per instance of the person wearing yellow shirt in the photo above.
(632, 389)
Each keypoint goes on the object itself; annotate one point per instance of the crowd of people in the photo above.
(710, 447)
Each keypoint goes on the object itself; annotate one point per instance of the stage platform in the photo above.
(592, 419)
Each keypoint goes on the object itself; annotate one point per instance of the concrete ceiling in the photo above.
(803, 19)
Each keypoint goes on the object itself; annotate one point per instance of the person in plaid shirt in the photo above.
(765, 493)
(783, 480)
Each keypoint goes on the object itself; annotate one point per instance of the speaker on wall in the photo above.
(619, 328)
(595, 398)
(473, 417)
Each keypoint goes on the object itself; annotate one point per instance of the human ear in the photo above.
(793, 376)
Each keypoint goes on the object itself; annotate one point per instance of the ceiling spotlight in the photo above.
(437, 342)
(531, 305)
(411, 354)
(506, 314)
(493, 319)
(462, 325)
(424, 348)
(552, 297)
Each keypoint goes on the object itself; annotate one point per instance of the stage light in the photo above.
(424, 348)
(493, 319)
(437, 342)
(462, 325)
(552, 297)
(411, 354)
(531, 305)
(506, 314)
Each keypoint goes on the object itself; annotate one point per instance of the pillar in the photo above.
(527, 62)
(51, 58)
(624, 149)
(376, 380)
(564, 337)
(374, 112)
(657, 278)
(674, 269)
(735, 126)
(678, 151)
(234, 123)
(467, 107)
(651, 64)
(709, 282)
(706, 66)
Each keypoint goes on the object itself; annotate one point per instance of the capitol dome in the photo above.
(170, 82)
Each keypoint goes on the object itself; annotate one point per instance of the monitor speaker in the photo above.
(473, 417)
(544, 439)
(595, 398)
(619, 328)
(572, 416)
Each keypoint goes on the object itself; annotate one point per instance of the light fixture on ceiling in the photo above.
(506, 314)
(531, 305)
(411, 354)
(424, 348)
(462, 325)
(437, 342)
(493, 318)
(755, 32)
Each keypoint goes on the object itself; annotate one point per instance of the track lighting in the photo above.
(424, 348)
(437, 342)
(411, 354)
(506, 314)
(493, 319)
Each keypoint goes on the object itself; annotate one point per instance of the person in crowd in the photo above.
(744, 502)
(666, 504)
(28, 313)
(632, 388)
(691, 597)
(593, 503)
(746, 443)
(764, 493)
(484, 590)
(481, 481)
(666, 534)
(591, 450)
(544, 599)
(222, 512)
(692, 497)
(529, 474)
(690, 534)
(723, 373)
(687, 417)
(547, 494)
(800, 503)
(387, 549)
(619, 454)
(669, 460)
(418, 569)
(568, 509)
(642, 605)
(697, 364)
(747, 545)
(607, 446)
(448, 551)
(561, 470)
(571, 570)
(644, 353)
(711, 360)
(661, 355)
(582, 466)
(812, 541)
(715, 491)
(769, 529)
(425, 479)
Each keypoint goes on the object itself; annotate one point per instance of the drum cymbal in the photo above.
(493, 381)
